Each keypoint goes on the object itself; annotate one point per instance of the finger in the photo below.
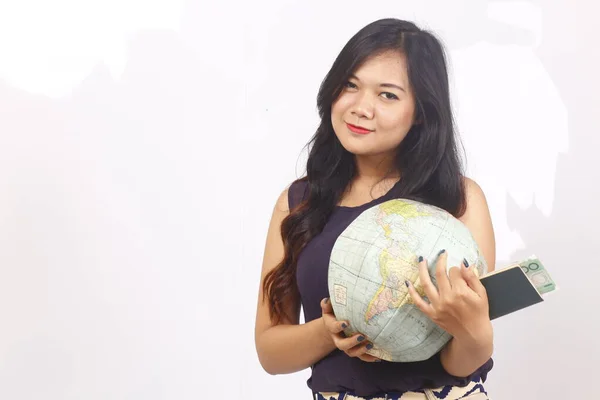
(359, 350)
(326, 306)
(335, 326)
(473, 280)
(424, 306)
(428, 286)
(456, 279)
(441, 276)
(369, 358)
(332, 324)
(345, 344)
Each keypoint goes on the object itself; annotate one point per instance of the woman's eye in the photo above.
(350, 85)
(392, 96)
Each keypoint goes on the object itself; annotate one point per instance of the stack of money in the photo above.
(538, 275)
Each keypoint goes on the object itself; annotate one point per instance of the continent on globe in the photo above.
(395, 270)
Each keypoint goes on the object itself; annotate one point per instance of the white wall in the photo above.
(143, 144)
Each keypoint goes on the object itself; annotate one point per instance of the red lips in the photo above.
(358, 129)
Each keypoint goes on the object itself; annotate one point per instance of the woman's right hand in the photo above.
(354, 346)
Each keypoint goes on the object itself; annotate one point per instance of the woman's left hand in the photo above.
(459, 305)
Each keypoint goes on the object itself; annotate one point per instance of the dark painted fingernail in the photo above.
(420, 258)
(466, 263)
(406, 283)
(378, 360)
(361, 338)
(441, 252)
(369, 346)
(326, 300)
(344, 325)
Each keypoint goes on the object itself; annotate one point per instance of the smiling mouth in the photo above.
(358, 129)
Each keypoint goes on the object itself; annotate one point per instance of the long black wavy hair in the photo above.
(428, 158)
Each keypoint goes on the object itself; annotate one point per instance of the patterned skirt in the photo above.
(473, 391)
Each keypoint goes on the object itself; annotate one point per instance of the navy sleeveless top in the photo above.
(337, 371)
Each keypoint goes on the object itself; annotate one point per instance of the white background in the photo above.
(143, 145)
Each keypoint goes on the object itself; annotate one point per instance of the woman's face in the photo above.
(378, 98)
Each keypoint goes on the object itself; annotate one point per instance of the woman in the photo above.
(386, 132)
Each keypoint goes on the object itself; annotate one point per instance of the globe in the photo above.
(372, 259)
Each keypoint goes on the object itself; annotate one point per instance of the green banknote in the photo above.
(538, 275)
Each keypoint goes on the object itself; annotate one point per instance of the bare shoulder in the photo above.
(282, 203)
(474, 192)
(280, 211)
(478, 219)
(291, 194)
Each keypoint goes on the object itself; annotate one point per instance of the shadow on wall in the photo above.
(555, 342)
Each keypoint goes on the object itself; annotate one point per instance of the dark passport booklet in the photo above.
(509, 290)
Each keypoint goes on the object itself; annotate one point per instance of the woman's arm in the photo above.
(479, 221)
(463, 357)
(287, 347)
(459, 304)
